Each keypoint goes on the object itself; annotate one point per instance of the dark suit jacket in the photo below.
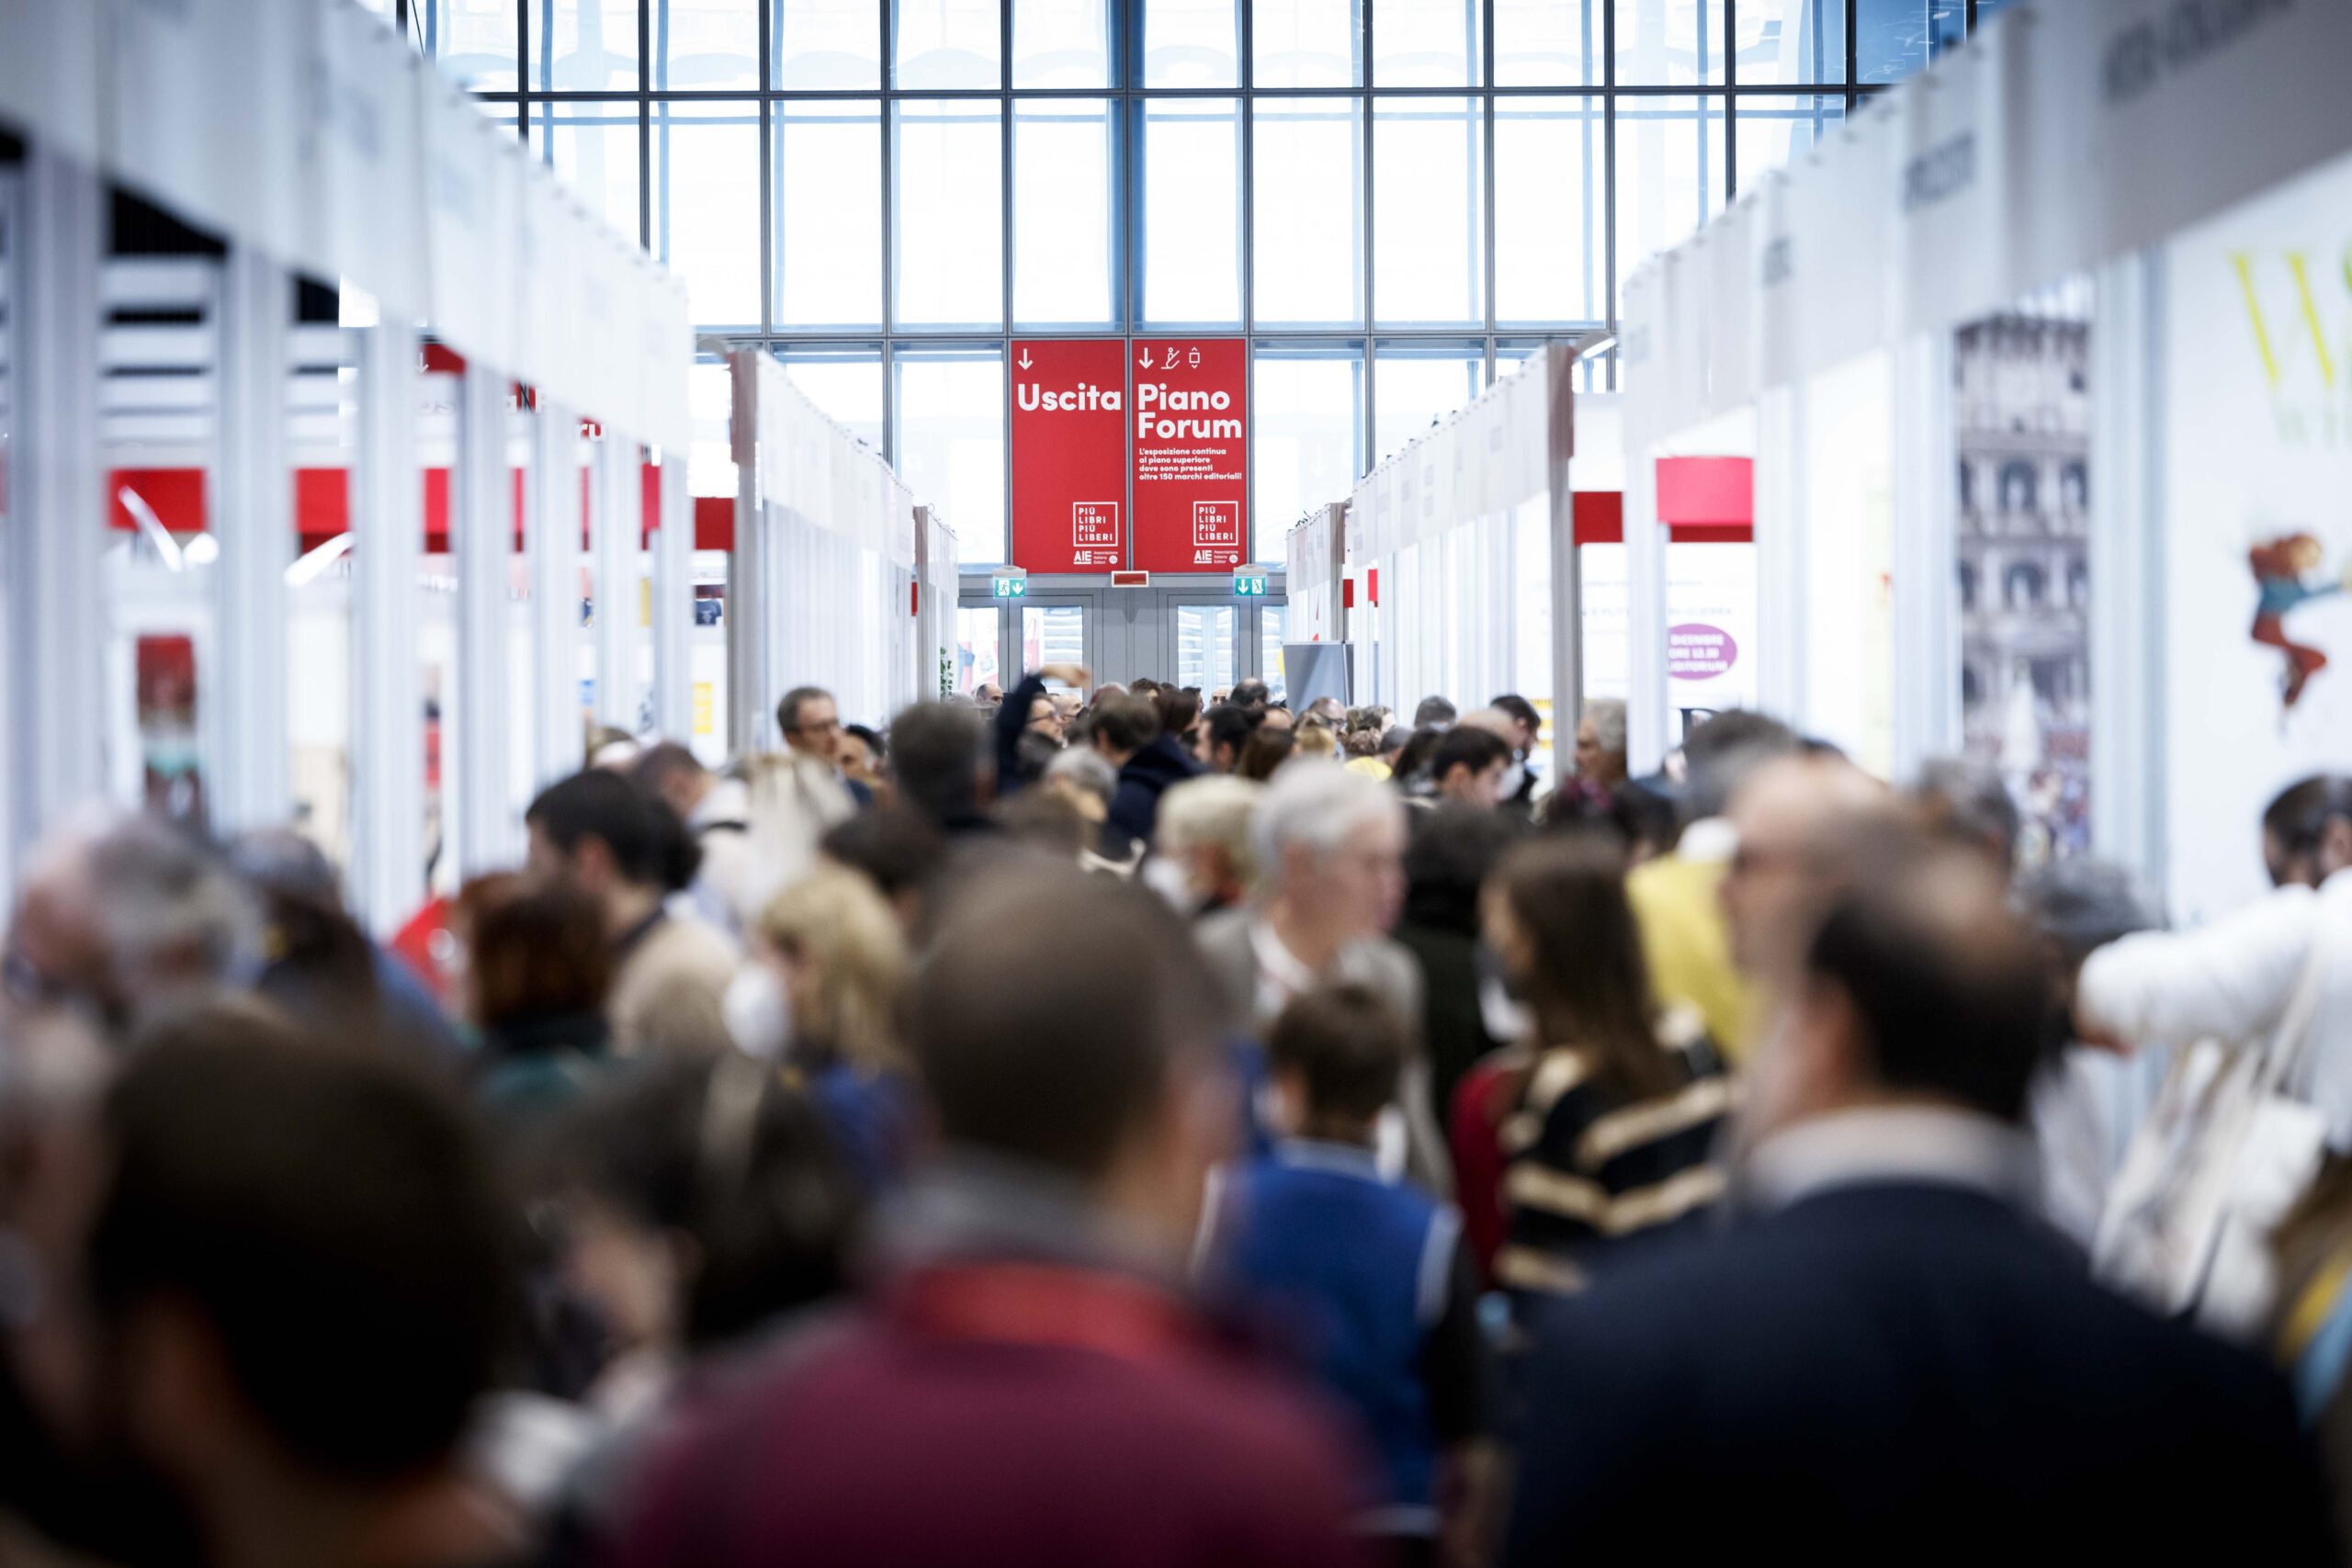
(1898, 1373)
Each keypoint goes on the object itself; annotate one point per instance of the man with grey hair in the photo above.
(1601, 743)
(1434, 711)
(1203, 860)
(1331, 851)
(1085, 778)
(126, 919)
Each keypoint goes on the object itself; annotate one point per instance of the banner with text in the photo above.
(1069, 454)
(1192, 445)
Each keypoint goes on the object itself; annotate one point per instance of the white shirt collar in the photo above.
(1938, 1145)
(1277, 964)
(1710, 840)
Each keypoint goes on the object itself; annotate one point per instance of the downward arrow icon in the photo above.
(1025, 359)
(1145, 360)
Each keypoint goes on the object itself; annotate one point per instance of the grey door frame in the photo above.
(1130, 632)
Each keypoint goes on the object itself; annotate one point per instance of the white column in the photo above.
(248, 757)
(388, 715)
(1568, 577)
(2128, 744)
(617, 531)
(56, 528)
(751, 727)
(482, 523)
(1926, 586)
(1650, 730)
(1780, 553)
(673, 604)
(554, 543)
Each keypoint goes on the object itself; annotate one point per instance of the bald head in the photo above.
(1803, 821)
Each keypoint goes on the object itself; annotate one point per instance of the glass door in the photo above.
(1057, 631)
(1206, 647)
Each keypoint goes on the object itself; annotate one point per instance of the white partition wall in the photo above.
(2062, 171)
(826, 556)
(314, 144)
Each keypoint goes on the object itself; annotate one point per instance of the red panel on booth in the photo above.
(1069, 454)
(1191, 430)
(1707, 501)
(1597, 517)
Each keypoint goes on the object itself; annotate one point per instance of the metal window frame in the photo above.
(1125, 42)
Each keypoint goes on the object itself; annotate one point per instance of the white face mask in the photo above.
(1507, 1021)
(1514, 779)
(757, 1014)
(1167, 878)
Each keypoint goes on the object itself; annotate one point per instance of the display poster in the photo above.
(1710, 631)
(2256, 625)
(2021, 408)
(1069, 454)
(1191, 454)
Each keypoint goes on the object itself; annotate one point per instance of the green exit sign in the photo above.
(1011, 586)
(1249, 584)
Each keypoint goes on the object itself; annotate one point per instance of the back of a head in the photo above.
(659, 766)
(899, 849)
(1453, 849)
(1231, 725)
(1252, 694)
(1086, 770)
(724, 1153)
(648, 846)
(1318, 806)
(2079, 905)
(329, 1214)
(1125, 723)
(1347, 1045)
(281, 860)
(1264, 752)
(1968, 800)
(536, 949)
(1434, 711)
(1210, 810)
(1179, 710)
(1412, 763)
(1051, 1014)
(2297, 819)
(1722, 752)
(1949, 986)
(1044, 820)
(937, 756)
(171, 909)
(1607, 717)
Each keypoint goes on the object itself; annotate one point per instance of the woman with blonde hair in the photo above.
(839, 961)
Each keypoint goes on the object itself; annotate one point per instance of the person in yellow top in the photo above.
(1677, 897)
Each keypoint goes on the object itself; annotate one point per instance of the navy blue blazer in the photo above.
(1897, 1373)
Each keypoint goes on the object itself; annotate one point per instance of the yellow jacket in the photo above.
(1687, 948)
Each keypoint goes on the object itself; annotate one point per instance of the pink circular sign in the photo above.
(1697, 651)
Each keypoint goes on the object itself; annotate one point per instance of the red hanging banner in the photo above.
(1190, 423)
(1069, 454)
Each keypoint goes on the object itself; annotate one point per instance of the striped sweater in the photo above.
(1586, 1167)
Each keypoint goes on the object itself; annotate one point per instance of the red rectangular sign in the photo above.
(1069, 454)
(1190, 425)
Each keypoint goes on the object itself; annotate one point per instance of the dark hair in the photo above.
(1043, 820)
(2299, 815)
(2079, 905)
(938, 759)
(875, 745)
(1347, 1044)
(726, 1155)
(1265, 751)
(1519, 709)
(1178, 711)
(1250, 693)
(329, 1215)
(1059, 1066)
(534, 949)
(1434, 710)
(897, 848)
(1031, 755)
(787, 709)
(1454, 849)
(1468, 746)
(1144, 687)
(1588, 984)
(1412, 764)
(319, 965)
(648, 845)
(1949, 986)
(1127, 724)
(656, 765)
(1721, 753)
(1231, 725)
(1968, 800)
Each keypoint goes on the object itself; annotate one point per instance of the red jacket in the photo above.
(1031, 1416)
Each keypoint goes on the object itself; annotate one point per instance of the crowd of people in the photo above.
(1103, 1126)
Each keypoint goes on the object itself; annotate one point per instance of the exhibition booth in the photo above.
(341, 445)
(837, 580)
(2041, 378)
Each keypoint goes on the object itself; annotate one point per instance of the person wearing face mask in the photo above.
(1619, 1102)
(1526, 729)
